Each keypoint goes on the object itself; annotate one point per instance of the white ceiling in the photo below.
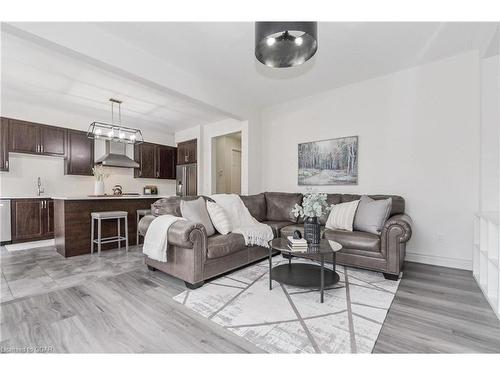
(221, 58)
(348, 52)
(39, 75)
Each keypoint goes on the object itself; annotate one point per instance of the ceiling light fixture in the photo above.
(115, 132)
(285, 44)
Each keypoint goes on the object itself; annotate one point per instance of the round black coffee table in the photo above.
(304, 274)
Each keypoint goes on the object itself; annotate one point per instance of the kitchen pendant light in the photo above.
(115, 132)
(285, 44)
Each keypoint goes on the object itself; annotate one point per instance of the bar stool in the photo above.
(108, 215)
(140, 213)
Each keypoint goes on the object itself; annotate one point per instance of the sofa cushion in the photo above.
(256, 205)
(220, 245)
(279, 206)
(330, 199)
(372, 214)
(398, 202)
(354, 240)
(219, 218)
(172, 205)
(342, 216)
(196, 211)
(277, 225)
(289, 229)
(144, 224)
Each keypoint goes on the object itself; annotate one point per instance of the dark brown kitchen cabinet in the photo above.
(32, 138)
(53, 140)
(145, 155)
(4, 144)
(166, 160)
(155, 161)
(187, 152)
(80, 153)
(32, 219)
(49, 218)
(23, 137)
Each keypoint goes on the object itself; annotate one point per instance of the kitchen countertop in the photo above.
(26, 197)
(85, 197)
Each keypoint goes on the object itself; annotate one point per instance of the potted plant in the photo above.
(99, 176)
(314, 205)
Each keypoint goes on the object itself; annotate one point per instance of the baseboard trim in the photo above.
(463, 264)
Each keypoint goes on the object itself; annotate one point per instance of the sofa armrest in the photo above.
(404, 224)
(185, 234)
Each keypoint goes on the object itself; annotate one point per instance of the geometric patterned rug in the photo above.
(290, 319)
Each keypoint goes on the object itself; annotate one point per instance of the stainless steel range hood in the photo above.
(116, 156)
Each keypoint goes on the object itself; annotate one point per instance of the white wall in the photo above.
(490, 134)
(418, 137)
(24, 169)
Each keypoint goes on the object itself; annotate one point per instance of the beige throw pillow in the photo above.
(196, 211)
(342, 216)
(219, 218)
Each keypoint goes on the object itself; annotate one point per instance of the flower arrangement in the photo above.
(99, 174)
(313, 205)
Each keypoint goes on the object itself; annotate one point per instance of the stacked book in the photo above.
(297, 244)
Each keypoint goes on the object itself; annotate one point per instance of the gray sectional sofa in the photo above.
(194, 257)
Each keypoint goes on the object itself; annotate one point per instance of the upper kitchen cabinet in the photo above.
(155, 161)
(23, 137)
(145, 155)
(166, 161)
(4, 144)
(52, 140)
(186, 152)
(80, 153)
(32, 138)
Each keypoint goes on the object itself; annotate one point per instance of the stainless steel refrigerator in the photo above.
(187, 180)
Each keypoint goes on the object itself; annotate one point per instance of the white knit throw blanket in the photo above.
(243, 222)
(156, 239)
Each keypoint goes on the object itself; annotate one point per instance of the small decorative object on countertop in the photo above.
(314, 205)
(99, 175)
(117, 190)
(150, 190)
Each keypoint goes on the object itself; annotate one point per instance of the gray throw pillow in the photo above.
(196, 211)
(372, 214)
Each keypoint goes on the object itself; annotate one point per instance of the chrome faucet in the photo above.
(39, 189)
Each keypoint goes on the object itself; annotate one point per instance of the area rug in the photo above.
(289, 319)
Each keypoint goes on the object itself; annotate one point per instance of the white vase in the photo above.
(99, 188)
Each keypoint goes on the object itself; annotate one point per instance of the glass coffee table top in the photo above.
(324, 247)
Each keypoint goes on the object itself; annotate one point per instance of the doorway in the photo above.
(227, 157)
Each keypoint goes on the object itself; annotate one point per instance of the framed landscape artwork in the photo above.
(329, 162)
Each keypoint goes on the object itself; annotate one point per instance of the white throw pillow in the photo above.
(219, 218)
(342, 216)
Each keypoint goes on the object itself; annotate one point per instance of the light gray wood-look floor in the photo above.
(114, 304)
(439, 310)
(110, 304)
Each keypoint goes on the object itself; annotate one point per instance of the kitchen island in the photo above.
(72, 220)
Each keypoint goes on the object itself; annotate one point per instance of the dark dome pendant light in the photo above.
(285, 44)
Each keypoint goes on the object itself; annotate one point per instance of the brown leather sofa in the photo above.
(194, 257)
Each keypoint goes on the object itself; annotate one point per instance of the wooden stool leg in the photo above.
(92, 237)
(99, 237)
(126, 234)
(119, 242)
